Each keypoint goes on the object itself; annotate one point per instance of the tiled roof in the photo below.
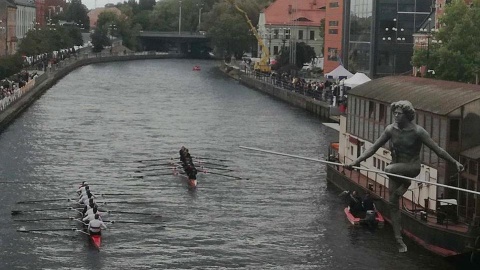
(428, 95)
(303, 12)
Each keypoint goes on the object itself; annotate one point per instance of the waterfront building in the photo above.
(285, 23)
(8, 39)
(334, 19)
(443, 220)
(25, 18)
(379, 35)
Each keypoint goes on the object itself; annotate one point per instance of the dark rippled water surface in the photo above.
(98, 121)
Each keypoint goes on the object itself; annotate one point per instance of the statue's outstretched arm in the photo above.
(372, 150)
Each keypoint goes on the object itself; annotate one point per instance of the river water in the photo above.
(100, 121)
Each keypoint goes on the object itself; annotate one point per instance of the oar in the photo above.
(211, 163)
(80, 231)
(217, 159)
(45, 230)
(81, 221)
(46, 200)
(215, 168)
(154, 159)
(118, 194)
(126, 202)
(128, 221)
(227, 175)
(16, 212)
(156, 169)
(134, 213)
(42, 219)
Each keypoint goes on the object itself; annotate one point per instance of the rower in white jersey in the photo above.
(82, 187)
(85, 198)
(90, 205)
(95, 226)
(90, 214)
(83, 190)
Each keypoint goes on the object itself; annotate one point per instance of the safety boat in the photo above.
(370, 218)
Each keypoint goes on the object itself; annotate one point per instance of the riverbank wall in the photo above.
(320, 108)
(35, 88)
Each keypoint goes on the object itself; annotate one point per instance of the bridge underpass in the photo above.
(192, 45)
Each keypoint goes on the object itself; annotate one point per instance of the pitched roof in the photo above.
(429, 95)
(299, 12)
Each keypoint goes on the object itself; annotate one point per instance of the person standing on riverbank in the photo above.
(406, 140)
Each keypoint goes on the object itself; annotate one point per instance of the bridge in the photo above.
(193, 45)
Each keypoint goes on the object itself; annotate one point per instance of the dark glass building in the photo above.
(379, 34)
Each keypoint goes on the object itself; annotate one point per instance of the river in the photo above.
(101, 124)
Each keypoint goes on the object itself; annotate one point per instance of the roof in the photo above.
(472, 153)
(429, 95)
(303, 13)
(25, 3)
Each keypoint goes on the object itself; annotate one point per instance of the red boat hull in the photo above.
(96, 240)
(379, 220)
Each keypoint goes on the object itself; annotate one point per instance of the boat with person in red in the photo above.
(370, 218)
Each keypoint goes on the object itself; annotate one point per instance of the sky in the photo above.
(99, 3)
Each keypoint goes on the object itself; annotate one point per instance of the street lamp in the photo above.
(395, 35)
(200, 7)
(180, 18)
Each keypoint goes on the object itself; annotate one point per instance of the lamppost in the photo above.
(428, 32)
(180, 18)
(392, 35)
(200, 7)
(285, 36)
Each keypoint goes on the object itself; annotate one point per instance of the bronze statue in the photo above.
(406, 139)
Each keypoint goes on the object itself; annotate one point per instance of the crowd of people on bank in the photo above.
(10, 87)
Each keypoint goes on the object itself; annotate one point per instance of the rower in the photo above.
(82, 187)
(85, 198)
(96, 225)
(90, 205)
(90, 215)
(83, 190)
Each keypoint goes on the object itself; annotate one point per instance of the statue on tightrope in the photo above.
(405, 139)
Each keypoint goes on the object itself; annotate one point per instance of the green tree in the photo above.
(305, 54)
(77, 12)
(457, 57)
(146, 4)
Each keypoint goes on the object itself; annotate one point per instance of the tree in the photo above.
(305, 54)
(146, 4)
(457, 58)
(77, 12)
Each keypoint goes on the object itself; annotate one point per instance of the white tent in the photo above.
(356, 80)
(339, 72)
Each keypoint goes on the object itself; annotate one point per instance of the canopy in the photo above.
(339, 73)
(356, 80)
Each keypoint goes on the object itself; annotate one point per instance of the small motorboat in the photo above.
(370, 218)
(196, 68)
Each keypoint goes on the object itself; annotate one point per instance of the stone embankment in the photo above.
(264, 84)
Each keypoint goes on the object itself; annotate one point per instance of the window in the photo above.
(333, 31)
(371, 110)
(300, 34)
(333, 4)
(332, 54)
(351, 150)
(332, 23)
(454, 130)
(275, 50)
(374, 162)
(472, 167)
(275, 34)
(312, 35)
(383, 113)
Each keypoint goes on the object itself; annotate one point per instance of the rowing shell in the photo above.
(96, 240)
(192, 183)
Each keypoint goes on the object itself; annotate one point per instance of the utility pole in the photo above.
(180, 19)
